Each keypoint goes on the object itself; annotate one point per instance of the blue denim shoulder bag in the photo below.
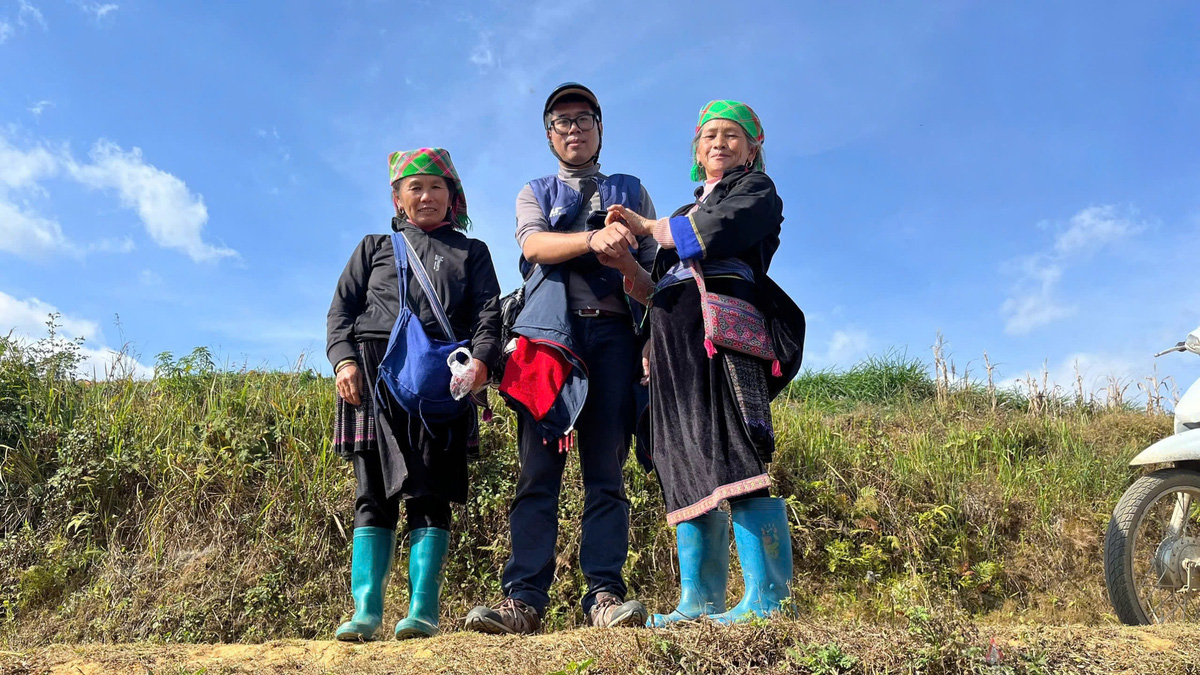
(414, 368)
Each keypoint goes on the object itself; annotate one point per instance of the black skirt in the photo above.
(703, 450)
(416, 461)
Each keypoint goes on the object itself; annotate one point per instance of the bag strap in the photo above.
(706, 310)
(423, 279)
(698, 273)
(589, 186)
(400, 256)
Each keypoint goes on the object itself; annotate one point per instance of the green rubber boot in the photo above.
(370, 566)
(426, 564)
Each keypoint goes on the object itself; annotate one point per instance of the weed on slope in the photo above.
(204, 504)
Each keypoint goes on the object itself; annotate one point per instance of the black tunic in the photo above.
(416, 460)
(366, 299)
(703, 451)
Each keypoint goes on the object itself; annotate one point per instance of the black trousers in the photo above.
(609, 348)
(373, 508)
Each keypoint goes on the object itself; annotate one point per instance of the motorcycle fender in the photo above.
(1177, 448)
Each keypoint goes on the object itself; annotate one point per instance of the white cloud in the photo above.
(481, 53)
(22, 231)
(38, 108)
(22, 170)
(122, 245)
(482, 56)
(34, 14)
(172, 215)
(847, 346)
(106, 364)
(1090, 373)
(1034, 301)
(6, 31)
(1094, 227)
(25, 233)
(26, 321)
(98, 10)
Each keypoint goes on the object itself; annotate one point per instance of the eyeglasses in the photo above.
(585, 122)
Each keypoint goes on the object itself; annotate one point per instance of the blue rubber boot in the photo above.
(370, 566)
(426, 564)
(703, 544)
(764, 546)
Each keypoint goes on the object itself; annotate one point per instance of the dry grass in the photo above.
(777, 647)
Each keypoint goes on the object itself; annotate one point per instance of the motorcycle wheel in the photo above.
(1144, 569)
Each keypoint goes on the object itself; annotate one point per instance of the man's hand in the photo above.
(349, 384)
(638, 225)
(612, 240)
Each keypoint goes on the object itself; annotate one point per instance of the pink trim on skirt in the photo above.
(710, 502)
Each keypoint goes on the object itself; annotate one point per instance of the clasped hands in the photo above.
(615, 245)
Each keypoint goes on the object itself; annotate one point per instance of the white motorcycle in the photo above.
(1152, 548)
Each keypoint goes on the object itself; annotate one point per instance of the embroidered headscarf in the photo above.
(432, 162)
(734, 111)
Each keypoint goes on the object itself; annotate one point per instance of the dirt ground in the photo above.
(782, 647)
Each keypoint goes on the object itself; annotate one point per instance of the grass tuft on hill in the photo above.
(206, 505)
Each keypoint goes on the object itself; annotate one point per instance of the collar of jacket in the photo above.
(722, 187)
(403, 225)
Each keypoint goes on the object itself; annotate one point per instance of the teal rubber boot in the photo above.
(703, 544)
(764, 546)
(370, 565)
(426, 565)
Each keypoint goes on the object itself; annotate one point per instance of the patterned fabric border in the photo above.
(354, 430)
(723, 492)
(739, 113)
(431, 162)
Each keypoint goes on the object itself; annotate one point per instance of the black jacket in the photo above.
(366, 299)
(741, 219)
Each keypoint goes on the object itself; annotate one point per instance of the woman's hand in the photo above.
(638, 225)
(481, 375)
(646, 363)
(623, 262)
(349, 384)
(612, 240)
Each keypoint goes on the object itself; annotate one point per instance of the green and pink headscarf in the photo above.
(432, 162)
(734, 111)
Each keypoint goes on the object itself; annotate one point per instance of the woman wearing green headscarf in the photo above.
(399, 456)
(724, 340)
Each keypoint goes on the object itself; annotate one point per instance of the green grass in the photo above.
(206, 505)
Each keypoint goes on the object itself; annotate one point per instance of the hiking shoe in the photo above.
(610, 611)
(510, 616)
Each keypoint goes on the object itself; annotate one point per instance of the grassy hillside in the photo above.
(205, 505)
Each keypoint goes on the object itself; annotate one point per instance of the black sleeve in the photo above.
(750, 212)
(349, 300)
(484, 292)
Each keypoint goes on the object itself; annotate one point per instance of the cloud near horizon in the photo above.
(1034, 301)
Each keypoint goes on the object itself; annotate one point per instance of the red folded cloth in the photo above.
(534, 376)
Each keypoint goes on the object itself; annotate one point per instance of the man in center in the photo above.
(554, 231)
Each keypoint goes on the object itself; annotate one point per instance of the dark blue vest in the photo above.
(561, 205)
(561, 202)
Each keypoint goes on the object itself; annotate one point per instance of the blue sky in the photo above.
(1019, 176)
